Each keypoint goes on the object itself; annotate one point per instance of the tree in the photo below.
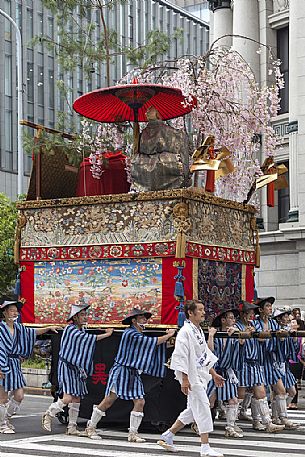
(230, 106)
(8, 217)
(78, 47)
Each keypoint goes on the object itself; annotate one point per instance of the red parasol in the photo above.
(130, 102)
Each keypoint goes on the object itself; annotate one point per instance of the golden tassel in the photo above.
(17, 250)
(180, 245)
(257, 251)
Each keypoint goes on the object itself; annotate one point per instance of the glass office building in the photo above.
(41, 101)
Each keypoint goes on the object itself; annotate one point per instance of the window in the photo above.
(40, 30)
(50, 27)
(131, 29)
(283, 200)
(51, 88)
(40, 87)
(30, 82)
(283, 55)
(8, 120)
(19, 15)
(8, 75)
(29, 27)
(7, 24)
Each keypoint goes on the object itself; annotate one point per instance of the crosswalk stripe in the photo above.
(114, 443)
(187, 445)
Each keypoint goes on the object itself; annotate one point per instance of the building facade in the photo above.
(281, 25)
(199, 8)
(41, 101)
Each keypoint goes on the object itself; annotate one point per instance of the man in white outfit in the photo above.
(193, 363)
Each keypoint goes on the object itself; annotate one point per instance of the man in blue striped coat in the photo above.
(251, 375)
(137, 354)
(289, 347)
(272, 359)
(228, 353)
(74, 366)
(16, 344)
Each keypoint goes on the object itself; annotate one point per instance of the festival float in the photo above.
(87, 240)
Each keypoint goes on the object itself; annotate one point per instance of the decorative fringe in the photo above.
(210, 181)
(180, 245)
(181, 314)
(179, 288)
(17, 250)
(257, 251)
(270, 194)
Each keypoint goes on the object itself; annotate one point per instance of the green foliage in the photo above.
(49, 143)
(78, 47)
(34, 362)
(8, 218)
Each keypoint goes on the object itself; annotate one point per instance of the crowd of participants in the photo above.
(231, 374)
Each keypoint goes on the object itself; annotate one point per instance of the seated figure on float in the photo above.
(163, 158)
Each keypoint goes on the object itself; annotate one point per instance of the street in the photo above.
(30, 440)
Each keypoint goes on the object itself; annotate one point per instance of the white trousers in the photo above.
(198, 410)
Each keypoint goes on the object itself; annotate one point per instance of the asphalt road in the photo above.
(30, 440)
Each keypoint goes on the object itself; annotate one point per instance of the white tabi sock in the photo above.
(135, 421)
(204, 448)
(73, 413)
(168, 436)
(168, 433)
(3, 409)
(13, 407)
(96, 416)
(56, 407)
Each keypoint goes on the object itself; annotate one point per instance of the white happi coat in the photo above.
(193, 357)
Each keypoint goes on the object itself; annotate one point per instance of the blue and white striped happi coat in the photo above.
(250, 373)
(75, 361)
(290, 349)
(271, 356)
(14, 347)
(137, 354)
(228, 353)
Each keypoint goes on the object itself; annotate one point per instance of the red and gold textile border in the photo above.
(220, 254)
(113, 251)
(116, 251)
